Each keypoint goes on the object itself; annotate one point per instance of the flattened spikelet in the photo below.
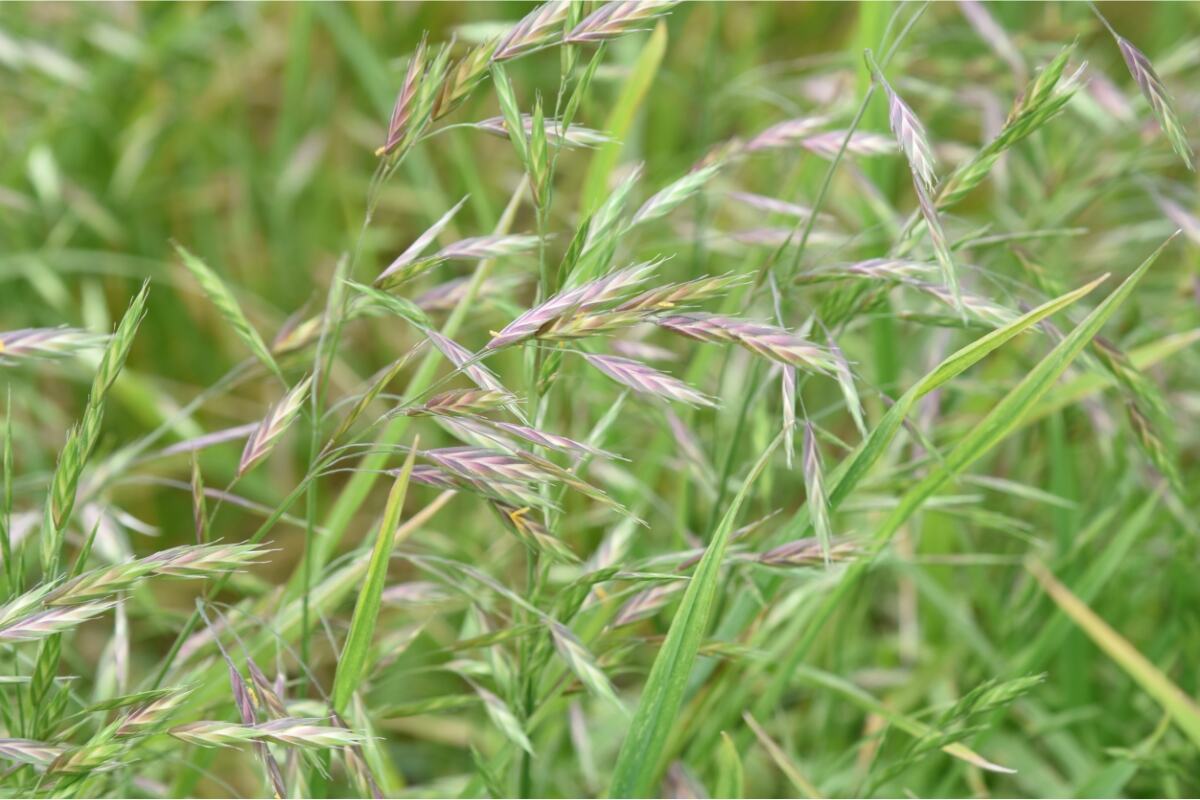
(583, 663)
(1043, 98)
(46, 343)
(606, 289)
(152, 715)
(909, 132)
(291, 731)
(769, 341)
(617, 18)
(575, 136)
(461, 401)
(27, 751)
(645, 603)
(675, 194)
(647, 380)
(41, 624)
(786, 134)
(1155, 92)
(81, 440)
(221, 297)
(539, 28)
(522, 522)
(272, 427)
(402, 108)
(419, 245)
(480, 248)
(787, 384)
(861, 143)
(503, 718)
(807, 552)
(817, 501)
(498, 431)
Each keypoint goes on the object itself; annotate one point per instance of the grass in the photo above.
(404, 400)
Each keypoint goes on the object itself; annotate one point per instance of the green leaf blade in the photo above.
(353, 661)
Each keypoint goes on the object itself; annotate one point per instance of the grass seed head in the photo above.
(539, 28)
(768, 341)
(617, 18)
(46, 343)
(272, 427)
(1155, 92)
(647, 380)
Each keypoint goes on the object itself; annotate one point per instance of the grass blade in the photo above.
(638, 763)
(620, 120)
(1182, 708)
(353, 661)
(731, 778)
(1003, 418)
(781, 759)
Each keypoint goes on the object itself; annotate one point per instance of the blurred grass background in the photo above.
(246, 131)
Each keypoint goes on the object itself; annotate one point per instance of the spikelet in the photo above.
(617, 18)
(645, 603)
(675, 194)
(402, 109)
(817, 501)
(1045, 96)
(582, 663)
(909, 132)
(575, 136)
(463, 359)
(673, 295)
(419, 245)
(539, 28)
(41, 624)
(606, 289)
(462, 78)
(460, 401)
(46, 343)
(807, 552)
(477, 248)
(787, 390)
(769, 341)
(785, 134)
(498, 432)
(291, 731)
(1155, 92)
(272, 427)
(82, 439)
(27, 751)
(860, 143)
(152, 715)
(647, 380)
(220, 296)
(534, 534)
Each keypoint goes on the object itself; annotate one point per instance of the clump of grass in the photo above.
(634, 405)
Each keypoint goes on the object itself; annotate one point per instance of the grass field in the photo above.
(802, 404)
